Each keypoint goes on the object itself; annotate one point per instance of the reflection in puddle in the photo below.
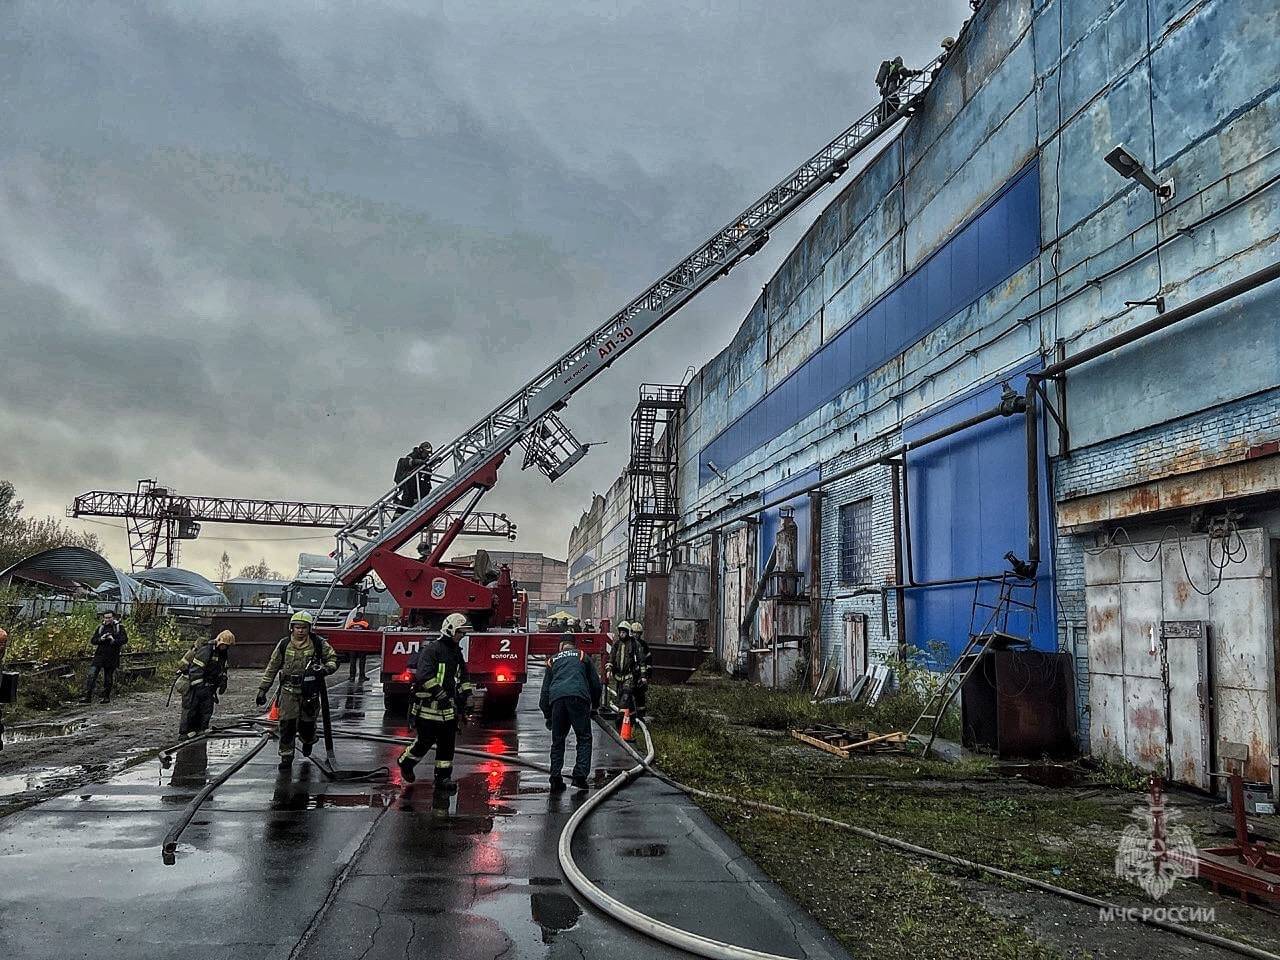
(554, 913)
(27, 732)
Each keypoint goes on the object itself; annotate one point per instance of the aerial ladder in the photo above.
(463, 470)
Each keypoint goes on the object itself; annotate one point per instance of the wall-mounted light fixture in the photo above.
(1130, 167)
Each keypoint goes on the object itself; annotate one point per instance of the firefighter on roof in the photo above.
(303, 660)
(440, 693)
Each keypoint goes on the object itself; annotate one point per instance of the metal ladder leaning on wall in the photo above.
(1016, 595)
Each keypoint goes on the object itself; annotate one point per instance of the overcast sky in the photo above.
(260, 249)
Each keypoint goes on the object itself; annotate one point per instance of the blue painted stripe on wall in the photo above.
(968, 500)
(996, 242)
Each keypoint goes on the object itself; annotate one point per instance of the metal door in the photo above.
(1186, 655)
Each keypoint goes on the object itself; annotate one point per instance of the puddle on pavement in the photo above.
(28, 732)
(554, 913)
(19, 783)
(646, 850)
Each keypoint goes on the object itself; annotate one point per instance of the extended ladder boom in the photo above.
(529, 416)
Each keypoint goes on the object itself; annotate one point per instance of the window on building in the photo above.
(855, 542)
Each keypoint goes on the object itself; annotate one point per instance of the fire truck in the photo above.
(459, 473)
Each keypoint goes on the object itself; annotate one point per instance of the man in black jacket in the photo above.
(413, 462)
(108, 640)
(440, 692)
(571, 690)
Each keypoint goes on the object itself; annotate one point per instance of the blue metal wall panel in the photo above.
(997, 241)
(968, 508)
(770, 518)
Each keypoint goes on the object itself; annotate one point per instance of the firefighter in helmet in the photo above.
(441, 689)
(629, 665)
(302, 659)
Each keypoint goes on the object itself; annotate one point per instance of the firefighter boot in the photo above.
(406, 763)
(580, 783)
(557, 783)
(445, 785)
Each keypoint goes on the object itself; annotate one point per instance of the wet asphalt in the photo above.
(296, 866)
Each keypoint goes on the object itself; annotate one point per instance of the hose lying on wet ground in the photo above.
(633, 918)
(170, 847)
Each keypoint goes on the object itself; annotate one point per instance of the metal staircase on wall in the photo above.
(1016, 597)
(653, 474)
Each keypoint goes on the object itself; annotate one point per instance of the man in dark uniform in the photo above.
(108, 640)
(571, 690)
(303, 659)
(408, 465)
(441, 689)
(205, 668)
(629, 665)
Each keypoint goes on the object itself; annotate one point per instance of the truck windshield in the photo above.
(310, 596)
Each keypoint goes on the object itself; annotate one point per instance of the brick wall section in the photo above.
(874, 482)
(1209, 439)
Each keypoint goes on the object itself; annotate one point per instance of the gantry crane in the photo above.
(157, 515)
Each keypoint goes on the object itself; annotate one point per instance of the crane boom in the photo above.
(529, 417)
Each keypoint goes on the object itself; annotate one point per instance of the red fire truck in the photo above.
(428, 590)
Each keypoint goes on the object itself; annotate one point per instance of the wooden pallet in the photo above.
(843, 742)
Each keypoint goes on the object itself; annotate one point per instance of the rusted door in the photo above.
(1186, 653)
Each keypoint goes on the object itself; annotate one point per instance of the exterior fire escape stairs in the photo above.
(653, 472)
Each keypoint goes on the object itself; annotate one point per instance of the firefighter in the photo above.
(205, 671)
(108, 640)
(441, 689)
(408, 465)
(571, 692)
(890, 78)
(303, 659)
(629, 665)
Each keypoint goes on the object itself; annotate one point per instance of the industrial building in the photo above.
(880, 389)
(543, 578)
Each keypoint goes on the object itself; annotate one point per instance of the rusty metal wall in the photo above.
(256, 635)
(1150, 667)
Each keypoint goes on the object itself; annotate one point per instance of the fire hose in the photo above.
(634, 918)
(664, 932)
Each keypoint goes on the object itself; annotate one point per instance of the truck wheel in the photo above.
(501, 707)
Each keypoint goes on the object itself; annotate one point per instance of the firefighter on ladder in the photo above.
(441, 689)
(303, 660)
(629, 665)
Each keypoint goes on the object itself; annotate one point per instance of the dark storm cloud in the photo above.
(260, 249)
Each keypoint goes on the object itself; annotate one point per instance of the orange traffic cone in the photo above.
(627, 733)
(274, 712)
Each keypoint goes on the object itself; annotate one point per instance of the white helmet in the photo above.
(452, 624)
(636, 627)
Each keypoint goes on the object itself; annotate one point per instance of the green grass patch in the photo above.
(728, 737)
